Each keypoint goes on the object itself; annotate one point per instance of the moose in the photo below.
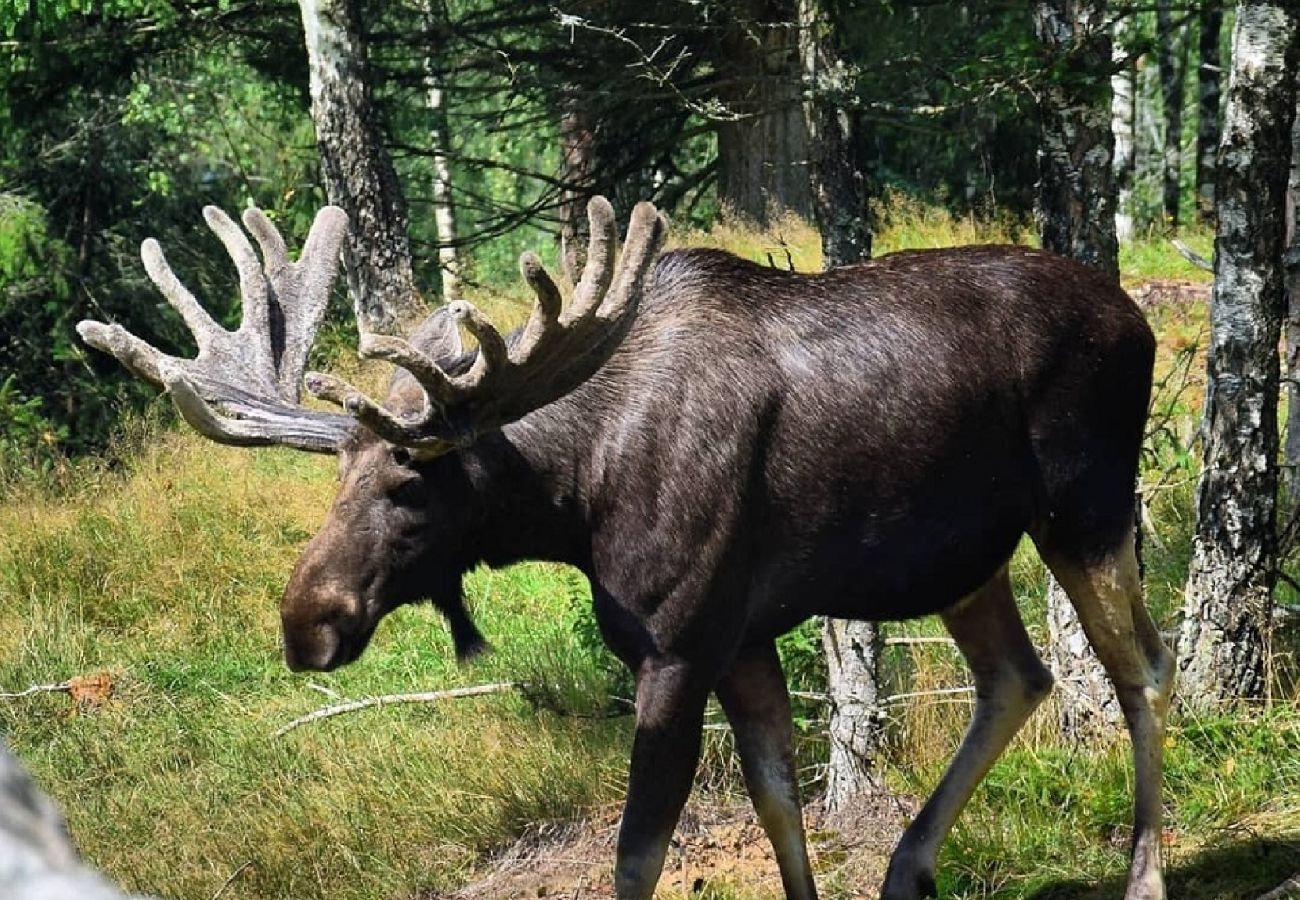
(724, 450)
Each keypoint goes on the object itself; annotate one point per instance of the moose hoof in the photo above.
(907, 882)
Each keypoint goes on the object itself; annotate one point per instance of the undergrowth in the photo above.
(160, 566)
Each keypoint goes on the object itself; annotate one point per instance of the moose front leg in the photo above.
(754, 696)
(670, 698)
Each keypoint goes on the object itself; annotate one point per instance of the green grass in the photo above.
(168, 578)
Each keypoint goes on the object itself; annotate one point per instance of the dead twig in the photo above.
(1192, 256)
(231, 880)
(339, 709)
(63, 687)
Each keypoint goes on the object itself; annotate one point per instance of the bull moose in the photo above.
(724, 450)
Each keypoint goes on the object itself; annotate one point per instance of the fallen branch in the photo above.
(918, 639)
(1192, 256)
(936, 692)
(1288, 888)
(339, 709)
(63, 687)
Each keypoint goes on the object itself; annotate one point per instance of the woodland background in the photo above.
(456, 134)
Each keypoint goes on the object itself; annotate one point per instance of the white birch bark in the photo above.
(1229, 599)
(1291, 269)
(1121, 126)
(358, 172)
(853, 656)
(444, 207)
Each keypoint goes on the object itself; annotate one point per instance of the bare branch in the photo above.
(339, 709)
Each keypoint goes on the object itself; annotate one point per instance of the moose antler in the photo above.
(555, 352)
(252, 375)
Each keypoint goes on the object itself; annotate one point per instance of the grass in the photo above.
(163, 569)
(168, 578)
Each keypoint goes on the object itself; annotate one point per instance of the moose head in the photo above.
(395, 533)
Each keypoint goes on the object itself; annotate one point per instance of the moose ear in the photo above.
(438, 337)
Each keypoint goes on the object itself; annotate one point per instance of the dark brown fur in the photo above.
(764, 446)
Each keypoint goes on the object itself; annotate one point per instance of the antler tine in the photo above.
(599, 270)
(645, 235)
(547, 309)
(373, 416)
(252, 283)
(275, 254)
(200, 324)
(140, 357)
(437, 384)
(493, 355)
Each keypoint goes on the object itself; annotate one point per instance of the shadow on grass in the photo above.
(1241, 869)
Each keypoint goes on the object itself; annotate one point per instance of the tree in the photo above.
(1229, 598)
(444, 205)
(763, 141)
(1121, 125)
(359, 175)
(1207, 106)
(837, 161)
(1291, 265)
(1076, 186)
(1076, 210)
(1171, 43)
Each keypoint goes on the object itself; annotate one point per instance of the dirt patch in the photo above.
(717, 843)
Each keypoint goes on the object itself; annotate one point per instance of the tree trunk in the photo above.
(444, 207)
(1291, 267)
(1172, 52)
(576, 141)
(836, 162)
(1076, 187)
(853, 657)
(1229, 599)
(1208, 75)
(763, 153)
(1076, 211)
(358, 172)
(1122, 111)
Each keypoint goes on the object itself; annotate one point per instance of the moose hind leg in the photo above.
(1108, 597)
(670, 701)
(753, 694)
(1010, 682)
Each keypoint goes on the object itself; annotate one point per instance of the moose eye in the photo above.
(401, 456)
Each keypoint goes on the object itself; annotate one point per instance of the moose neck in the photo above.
(527, 485)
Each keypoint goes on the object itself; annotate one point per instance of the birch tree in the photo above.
(1172, 52)
(1291, 266)
(358, 172)
(1076, 213)
(1208, 76)
(444, 207)
(1122, 111)
(1229, 597)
